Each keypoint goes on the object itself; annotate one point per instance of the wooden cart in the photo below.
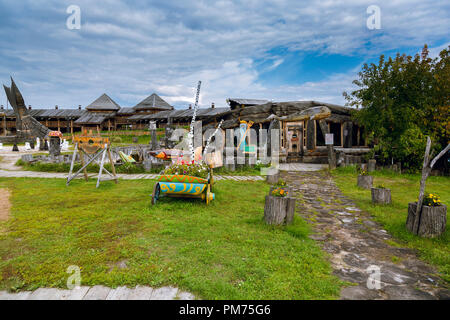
(182, 186)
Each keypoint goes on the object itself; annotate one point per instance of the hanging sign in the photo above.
(329, 138)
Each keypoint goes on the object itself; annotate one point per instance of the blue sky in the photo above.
(280, 50)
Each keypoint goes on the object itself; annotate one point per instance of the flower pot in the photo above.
(381, 195)
(432, 220)
(279, 210)
(365, 181)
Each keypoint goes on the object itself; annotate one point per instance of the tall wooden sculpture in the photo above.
(28, 128)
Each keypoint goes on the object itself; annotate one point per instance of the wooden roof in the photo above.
(153, 102)
(104, 102)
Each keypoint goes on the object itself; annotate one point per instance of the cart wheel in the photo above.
(155, 195)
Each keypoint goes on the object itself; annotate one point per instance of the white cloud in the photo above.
(130, 50)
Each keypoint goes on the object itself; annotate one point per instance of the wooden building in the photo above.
(300, 140)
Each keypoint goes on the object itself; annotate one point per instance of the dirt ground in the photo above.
(5, 205)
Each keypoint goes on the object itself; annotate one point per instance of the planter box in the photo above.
(432, 222)
(365, 182)
(279, 210)
(380, 195)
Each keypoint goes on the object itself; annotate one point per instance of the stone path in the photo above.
(9, 158)
(356, 242)
(302, 166)
(100, 293)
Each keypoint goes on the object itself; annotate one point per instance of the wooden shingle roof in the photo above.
(104, 102)
(153, 102)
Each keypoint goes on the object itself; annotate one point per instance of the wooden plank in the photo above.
(141, 293)
(97, 293)
(120, 293)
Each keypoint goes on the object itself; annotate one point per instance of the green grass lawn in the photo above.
(129, 169)
(220, 251)
(404, 189)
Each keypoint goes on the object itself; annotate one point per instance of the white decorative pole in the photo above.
(210, 137)
(191, 131)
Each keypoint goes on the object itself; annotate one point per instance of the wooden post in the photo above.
(380, 195)
(426, 169)
(279, 210)
(75, 150)
(113, 169)
(331, 154)
(82, 164)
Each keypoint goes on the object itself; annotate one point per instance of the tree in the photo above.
(400, 101)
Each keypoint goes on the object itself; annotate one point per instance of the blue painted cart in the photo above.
(182, 186)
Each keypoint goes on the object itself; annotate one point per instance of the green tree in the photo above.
(401, 100)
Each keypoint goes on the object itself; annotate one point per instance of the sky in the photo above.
(280, 50)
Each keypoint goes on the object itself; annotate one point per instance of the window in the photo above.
(320, 139)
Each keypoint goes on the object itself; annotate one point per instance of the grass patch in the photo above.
(125, 168)
(404, 189)
(220, 251)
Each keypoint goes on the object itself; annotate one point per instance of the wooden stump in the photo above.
(272, 178)
(365, 182)
(380, 195)
(432, 220)
(372, 164)
(279, 210)
(54, 146)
